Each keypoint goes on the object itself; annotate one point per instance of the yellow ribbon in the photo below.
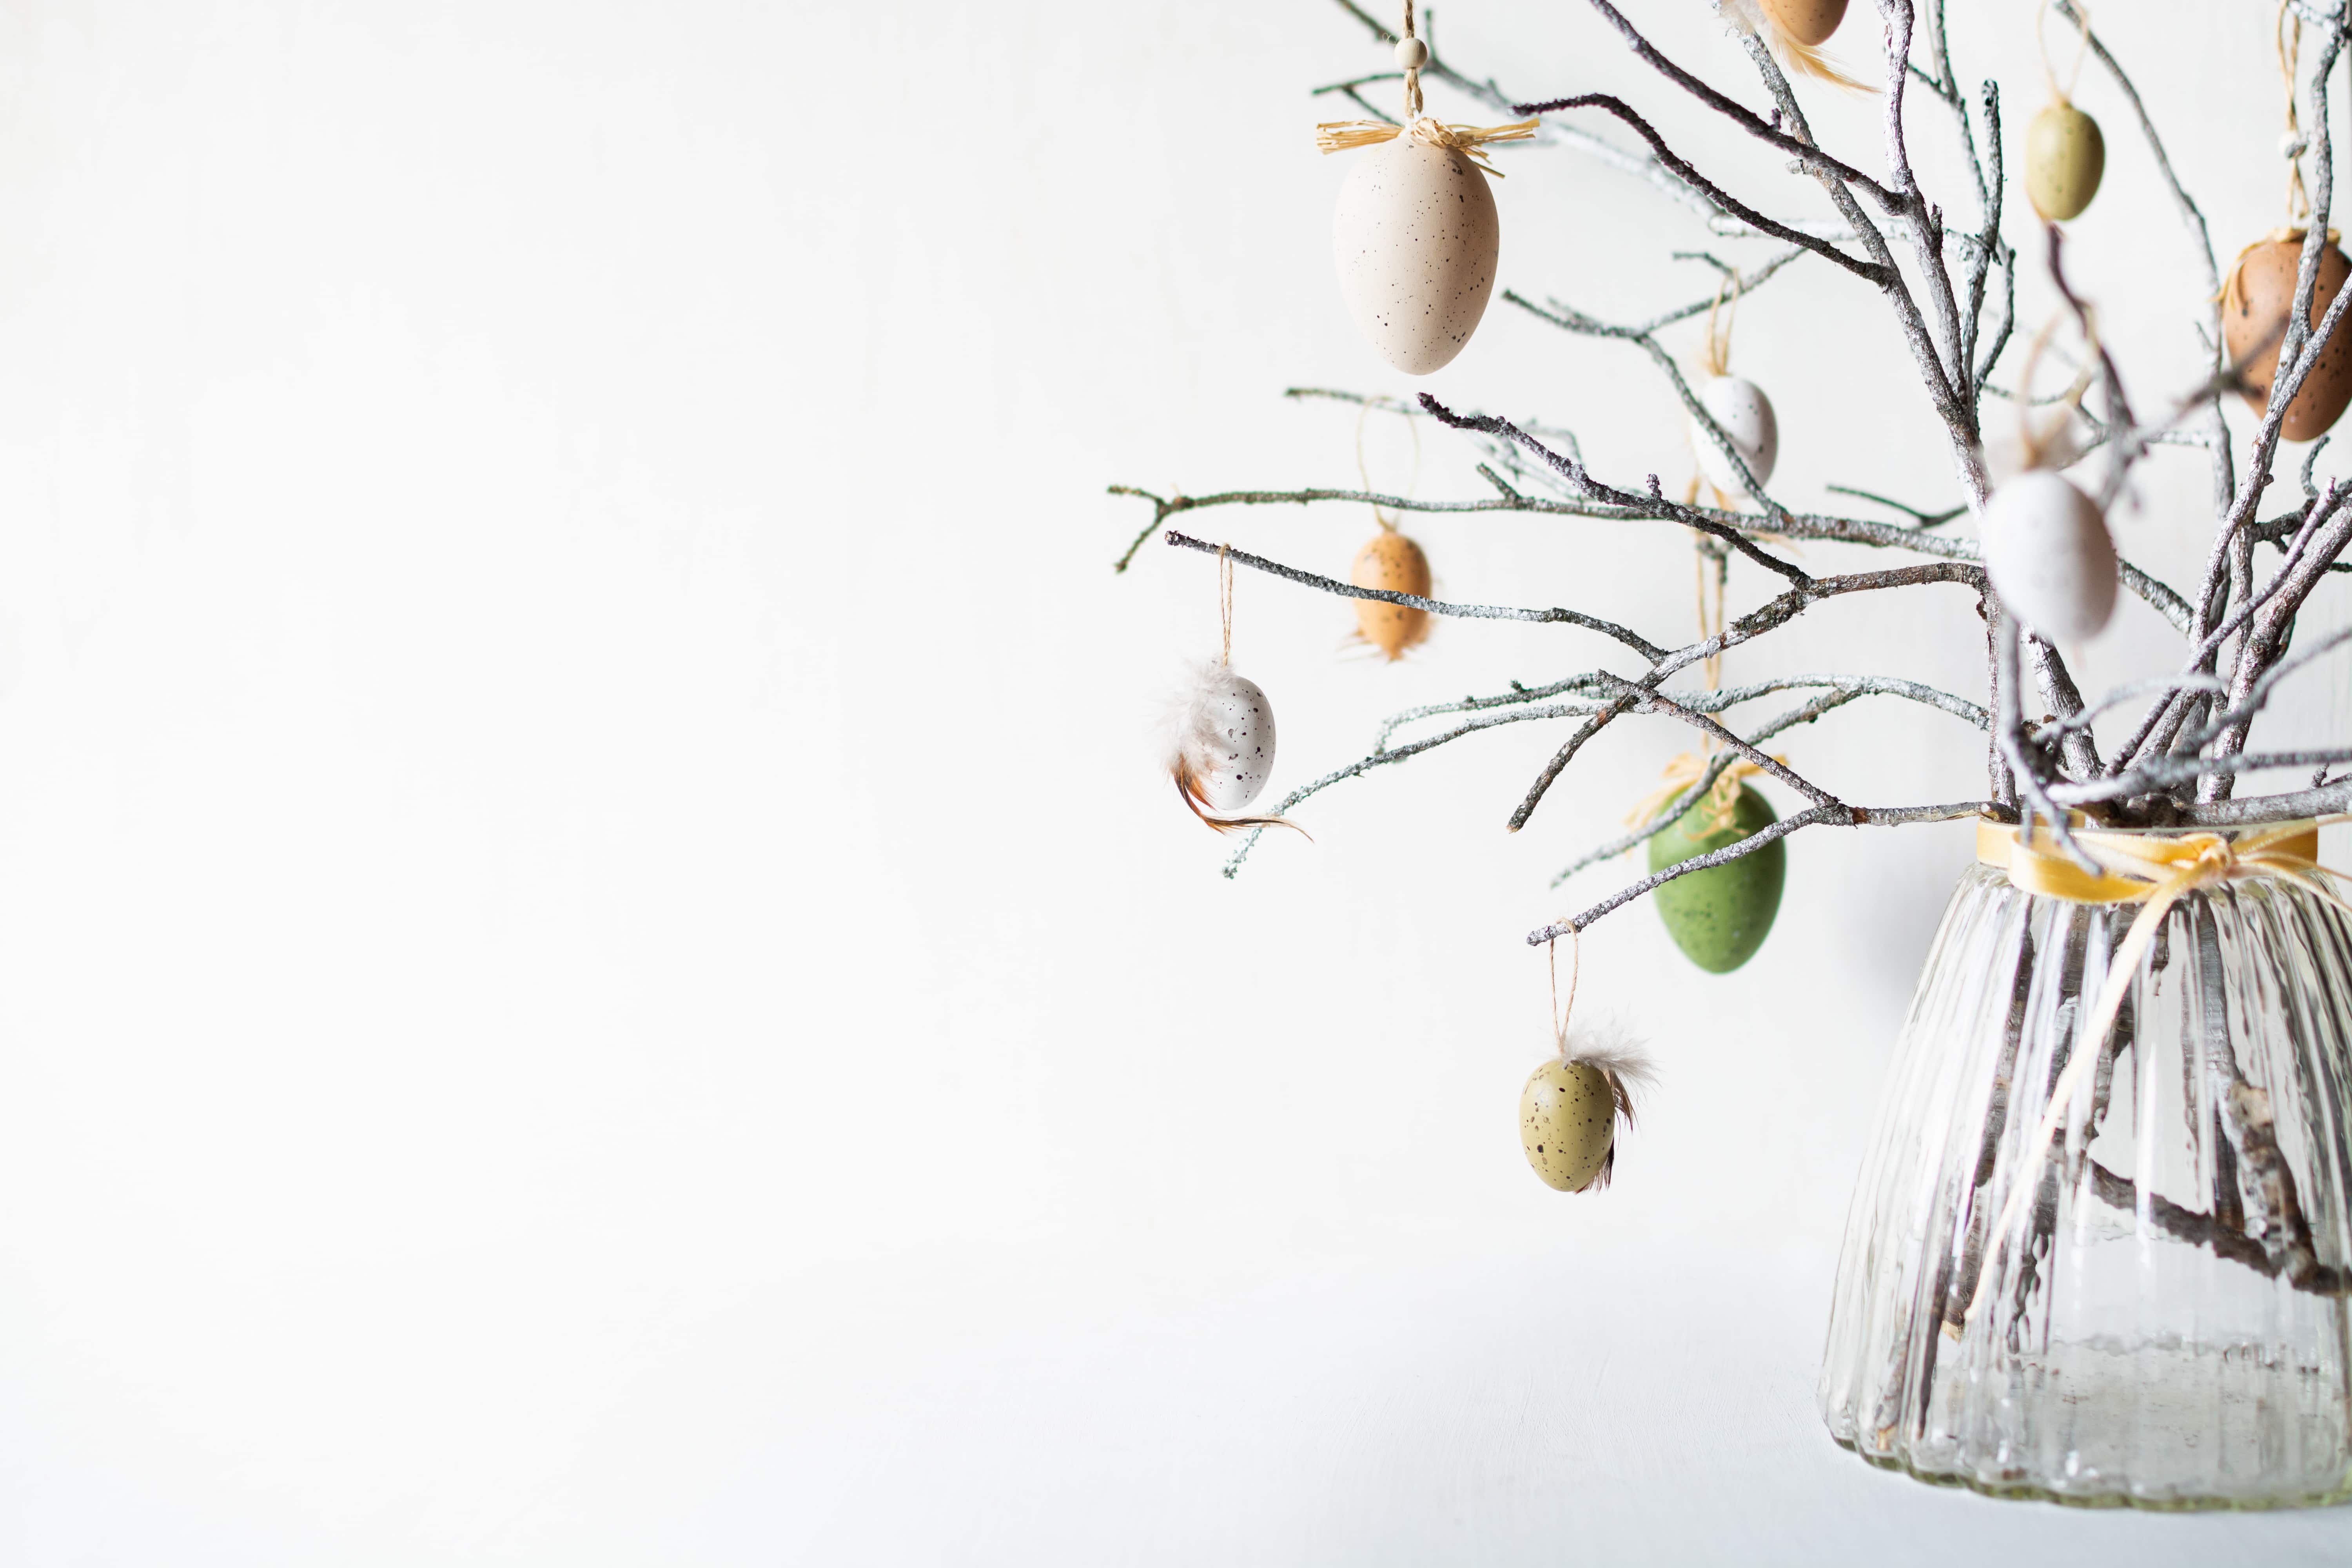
(1719, 803)
(1340, 135)
(2155, 872)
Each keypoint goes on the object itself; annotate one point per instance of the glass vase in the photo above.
(2166, 1324)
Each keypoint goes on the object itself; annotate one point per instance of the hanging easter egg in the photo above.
(2254, 307)
(1568, 1124)
(1394, 564)
(1416, 239)
(1740, 406)
(1720, 916)
(2064, 156)
(1222, 747)
(1571, 1108)
(1808, 21)
(2047, 551)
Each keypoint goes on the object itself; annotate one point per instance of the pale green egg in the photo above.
(2064, 156)
(1568, 1120)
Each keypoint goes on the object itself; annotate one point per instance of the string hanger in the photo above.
(1225, 602)
(1412, 54)
(1363, 473)
(1715, 356)
(2288, 30)
(2082, 48)
(2035, 445)
(1575, 966)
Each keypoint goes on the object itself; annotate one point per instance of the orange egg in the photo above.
(2254, 307)
(1810, 21)
(1395, 565)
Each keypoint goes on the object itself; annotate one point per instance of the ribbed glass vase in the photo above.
(2167, 1320)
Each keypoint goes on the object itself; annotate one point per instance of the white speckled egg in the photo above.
(1746, 414)
(1416, 239)
(1567, 1123)
(2047, 550)
(1226, 740)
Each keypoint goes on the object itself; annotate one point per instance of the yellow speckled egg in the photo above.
(2064, 156)
(1394, 565)
(1567, 1122)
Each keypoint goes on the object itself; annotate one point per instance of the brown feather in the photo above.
(1188, 789)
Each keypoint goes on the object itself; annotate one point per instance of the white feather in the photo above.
(1609, 1044)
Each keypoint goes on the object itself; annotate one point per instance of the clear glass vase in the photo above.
(2166, 1323)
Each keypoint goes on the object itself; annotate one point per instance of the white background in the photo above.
(593, 967)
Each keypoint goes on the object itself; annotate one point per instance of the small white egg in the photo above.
(1416, 239)
(2047, 550)
(1740, 408)
(1226, 739)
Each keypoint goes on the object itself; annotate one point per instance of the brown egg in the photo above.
(2254, 306)
(1810, 21)
(1395, 565)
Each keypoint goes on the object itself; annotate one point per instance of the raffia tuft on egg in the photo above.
(2048, 553)
(1221, 749)
(1571, 1105)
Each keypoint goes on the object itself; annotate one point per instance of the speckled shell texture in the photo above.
(2265, 280)
(1394, 564)
(2047, 550)
(1567, 1120)
(1416, 240)
(1810, 21)
(2064, 156)
(1746, 414)
(1227, 738)
(1720, 916)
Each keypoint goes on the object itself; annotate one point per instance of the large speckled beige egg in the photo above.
(1810, 21)
(1395, 565)
(2254, 308)
(1568, 1123)
(2064, 156)
(2047, 551)
(1746, 414)
(1416, 239)
(1226, 740)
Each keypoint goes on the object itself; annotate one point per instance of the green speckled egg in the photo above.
(1567, 1118)
(1720, 916)
(2064, 156)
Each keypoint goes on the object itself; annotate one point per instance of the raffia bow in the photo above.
(1341, 135)
(2155, 873)
(1719, 803)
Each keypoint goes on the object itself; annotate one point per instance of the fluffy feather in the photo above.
(1748, 17)
(1609, 1044)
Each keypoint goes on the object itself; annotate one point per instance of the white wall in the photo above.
(592, 964)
